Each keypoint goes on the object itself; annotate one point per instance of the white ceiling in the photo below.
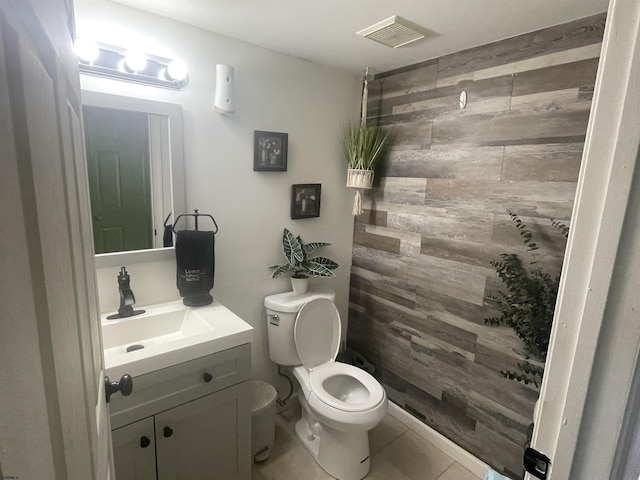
(324, 31)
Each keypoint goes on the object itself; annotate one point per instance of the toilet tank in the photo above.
(282, 310)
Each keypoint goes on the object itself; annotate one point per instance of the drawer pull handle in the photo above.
(207, 377)
(167, 432)
(144, 441)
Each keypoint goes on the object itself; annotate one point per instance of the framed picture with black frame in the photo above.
(270, 151)
(305, 200)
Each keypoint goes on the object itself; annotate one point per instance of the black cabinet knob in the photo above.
(167, 432)
(144, 442)
(207, 377)
(124, 386)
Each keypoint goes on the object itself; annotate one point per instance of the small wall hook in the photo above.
(463, 99)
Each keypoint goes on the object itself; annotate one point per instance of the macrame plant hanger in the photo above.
(361, 179)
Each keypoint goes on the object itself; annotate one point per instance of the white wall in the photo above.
(273, 92)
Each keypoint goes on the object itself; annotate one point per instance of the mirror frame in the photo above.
(176, 151)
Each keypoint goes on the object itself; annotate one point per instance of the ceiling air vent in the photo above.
(394, 32)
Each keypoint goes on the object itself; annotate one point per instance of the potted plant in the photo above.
(300, 264)
(527, 305)
(363, 147)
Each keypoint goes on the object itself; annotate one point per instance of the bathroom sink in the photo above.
(167, 334)
(160, 326)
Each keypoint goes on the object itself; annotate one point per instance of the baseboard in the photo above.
(459, 454)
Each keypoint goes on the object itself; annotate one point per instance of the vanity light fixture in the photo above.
(176, 70)
(134, 61)
(131, 65)
(86, 50)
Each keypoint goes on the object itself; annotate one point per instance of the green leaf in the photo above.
(564, 230)
(309, 248)
(327, 262)
(316, 269)
(291, 247)
(280, 269)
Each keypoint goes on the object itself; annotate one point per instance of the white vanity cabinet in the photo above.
(191, 421)
(200, 439)
(134, 451)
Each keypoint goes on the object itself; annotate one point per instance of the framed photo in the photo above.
(305, 200)
(270, 151)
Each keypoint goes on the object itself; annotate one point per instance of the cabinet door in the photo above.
(134, 451)
(207, 438)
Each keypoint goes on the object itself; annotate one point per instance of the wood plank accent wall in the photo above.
(438, 215)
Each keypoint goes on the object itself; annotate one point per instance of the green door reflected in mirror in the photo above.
(117, 145)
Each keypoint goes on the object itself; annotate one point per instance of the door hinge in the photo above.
(536, 463)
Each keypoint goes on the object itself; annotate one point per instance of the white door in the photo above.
(596, 332)
(53, 414)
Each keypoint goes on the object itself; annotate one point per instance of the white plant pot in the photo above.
(299, 285)
(359, 178)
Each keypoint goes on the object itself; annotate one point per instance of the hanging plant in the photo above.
(527, 304)
(363, 147)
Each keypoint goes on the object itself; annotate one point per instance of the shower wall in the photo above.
(438, 215)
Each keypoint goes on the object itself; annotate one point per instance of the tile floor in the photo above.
(397, 453)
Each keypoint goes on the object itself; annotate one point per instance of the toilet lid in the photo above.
(317, 333)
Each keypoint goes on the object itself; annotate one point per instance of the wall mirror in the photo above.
(136, 175)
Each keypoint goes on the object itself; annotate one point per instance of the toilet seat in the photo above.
(345, 387)
(337, 385)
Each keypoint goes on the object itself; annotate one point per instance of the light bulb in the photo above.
(86, 50)
(177, 70)
(135, 60)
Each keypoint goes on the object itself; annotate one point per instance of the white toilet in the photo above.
(340, 402)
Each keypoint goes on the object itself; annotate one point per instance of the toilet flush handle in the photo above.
(274, 319)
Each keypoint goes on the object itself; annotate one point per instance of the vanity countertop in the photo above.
(169, 333)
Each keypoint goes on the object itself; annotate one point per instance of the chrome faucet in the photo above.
(127, 298)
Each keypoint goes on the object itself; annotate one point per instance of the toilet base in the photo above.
(343, 455)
